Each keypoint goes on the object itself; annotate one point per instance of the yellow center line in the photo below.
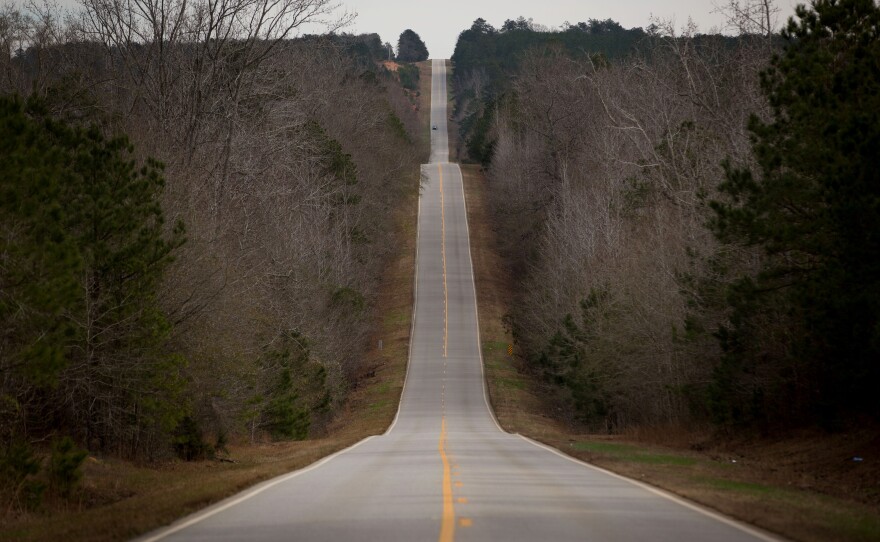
(443, 249)
(447, 525)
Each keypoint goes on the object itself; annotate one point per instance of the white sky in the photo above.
(438, 23)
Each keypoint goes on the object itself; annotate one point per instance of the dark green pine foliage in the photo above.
(65, 466)
(19, 469)
(409, 76)
(285, 418)
(494, 55)
(344, 191)
(568, 361)
(84, 247)
(410, 47)
(337, 163)
(497, 53)
(294, 389)
(480, 144)
(39, 263)
(804, 332)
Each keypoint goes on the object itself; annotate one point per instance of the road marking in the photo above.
(467, 237)
(443, 250)
(232, 501)
(412, 323)
(465, 522)
(462, 500)
(659, 492)
(447, 525)
(757, 533)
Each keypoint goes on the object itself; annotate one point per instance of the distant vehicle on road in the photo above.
(434, 127)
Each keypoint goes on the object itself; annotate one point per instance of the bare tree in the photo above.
(249, 124)
(189, 63)
(619, 158)
(751, 17)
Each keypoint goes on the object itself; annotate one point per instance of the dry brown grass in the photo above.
(805, 487)
(121, 499)
(425, 107)
(516, 404)
(452, 132)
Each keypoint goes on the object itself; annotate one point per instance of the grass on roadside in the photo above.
(735, 487)
(121, 499)
(634, 454)
(425, 108)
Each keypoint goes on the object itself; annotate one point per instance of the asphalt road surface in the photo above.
(445, 470)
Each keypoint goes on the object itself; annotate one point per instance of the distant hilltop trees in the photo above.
(410, 47)
(690, 219)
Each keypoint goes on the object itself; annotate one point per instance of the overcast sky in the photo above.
(438, 23)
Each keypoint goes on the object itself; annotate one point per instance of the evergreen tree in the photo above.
(84, 247)
(39, 261)
(813, 208)
(410, 47)
(494, 56)
(292, 390)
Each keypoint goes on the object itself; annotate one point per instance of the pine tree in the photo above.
(410, 47)
(39, 261)
(83, 248)
(813, 208)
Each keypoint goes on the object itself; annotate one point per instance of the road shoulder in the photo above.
(735, 479)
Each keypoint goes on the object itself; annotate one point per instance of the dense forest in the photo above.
(691, 219)
(486, 61)
(194, 216)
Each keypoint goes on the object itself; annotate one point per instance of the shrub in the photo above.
(189, 441)
(18, 469)
(64, 466)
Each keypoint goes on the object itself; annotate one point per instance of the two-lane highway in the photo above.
(445, 470)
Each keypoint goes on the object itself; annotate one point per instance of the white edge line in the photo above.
(476, 308)
(753, 531)
(474, 285)
(687, 504)
(217, 508)
(221, 506)
(412, 326)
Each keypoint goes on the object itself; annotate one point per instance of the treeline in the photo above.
(196, 213)
(692, 225)
(495, 53)
(410, 47)
(487, 59)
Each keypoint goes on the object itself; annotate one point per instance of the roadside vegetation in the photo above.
(801, 484)
(689, 228)
(679, 270)
(195, 240)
